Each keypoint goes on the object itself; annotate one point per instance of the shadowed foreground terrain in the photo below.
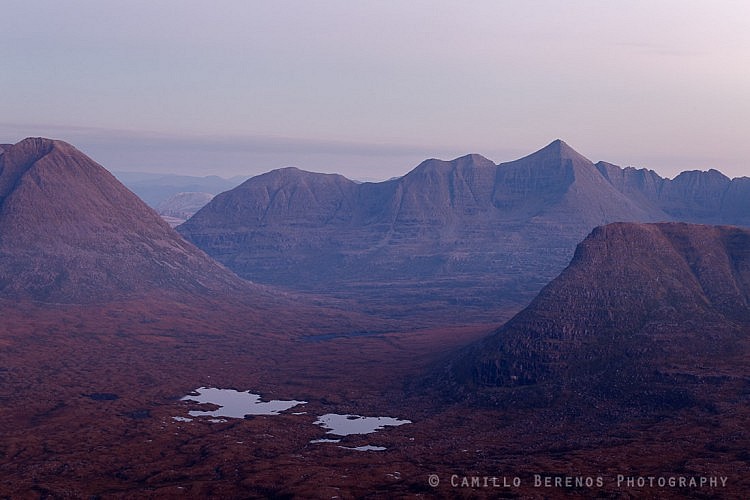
(89, 396)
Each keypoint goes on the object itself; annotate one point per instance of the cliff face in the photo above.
(638, 306)
(640, 185)
(70, 231)
(735, 208)
(465, 233)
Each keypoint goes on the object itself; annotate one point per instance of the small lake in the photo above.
(239, 404)
(364, 448)
(236, 404)
(345, 425)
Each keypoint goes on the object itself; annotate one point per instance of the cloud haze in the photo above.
(371, 88)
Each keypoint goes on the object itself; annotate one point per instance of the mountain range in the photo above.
(158, 188)
(695, 196)
(465, 235)
(632, 361)
(180, 207)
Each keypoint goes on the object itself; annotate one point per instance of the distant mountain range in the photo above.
(649, 315)
(156, 189)
(464, 235)
(180, 207)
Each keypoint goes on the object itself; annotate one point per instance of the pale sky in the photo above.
(370, 88)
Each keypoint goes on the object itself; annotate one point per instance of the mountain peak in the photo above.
(555, 155)
(41, 144)
(474, 159)
(295, 173)
(468, 160)
(38, 147)
(560, 149)
(20, 158)
(70, 231)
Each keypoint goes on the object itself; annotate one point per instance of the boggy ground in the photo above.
(88, 396)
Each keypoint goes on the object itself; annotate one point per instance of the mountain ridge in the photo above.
(433, 236)
(703, 197)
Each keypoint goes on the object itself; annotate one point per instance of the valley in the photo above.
(574, 360)
(59, 441)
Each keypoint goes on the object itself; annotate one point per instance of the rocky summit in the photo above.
(69, 231)
(648, 314)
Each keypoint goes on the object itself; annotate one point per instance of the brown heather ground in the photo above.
(58, 442)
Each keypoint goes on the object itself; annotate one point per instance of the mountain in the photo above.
(464, 234)
(694, 196)
(70, 231)
(180, 207)
(157, 188)
(109, 318)
(183, 204)
(645, 314)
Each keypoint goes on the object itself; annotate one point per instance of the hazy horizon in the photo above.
(369, 90)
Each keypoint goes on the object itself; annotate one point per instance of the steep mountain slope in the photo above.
(643, 313)
(70, 231)
(557, 184)
(465, 233)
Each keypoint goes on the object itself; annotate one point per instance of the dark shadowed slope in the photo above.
(464, 235)
(643, 313)
(70, 231)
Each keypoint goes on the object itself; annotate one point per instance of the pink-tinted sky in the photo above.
(370, 88)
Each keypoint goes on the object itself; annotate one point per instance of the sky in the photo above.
(369, 89)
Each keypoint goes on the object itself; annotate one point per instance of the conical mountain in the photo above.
(643, 314)
(558, 185)
(69, 231)
(464, 233)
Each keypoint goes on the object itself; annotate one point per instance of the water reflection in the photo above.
(236, 404)
(345, 425)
